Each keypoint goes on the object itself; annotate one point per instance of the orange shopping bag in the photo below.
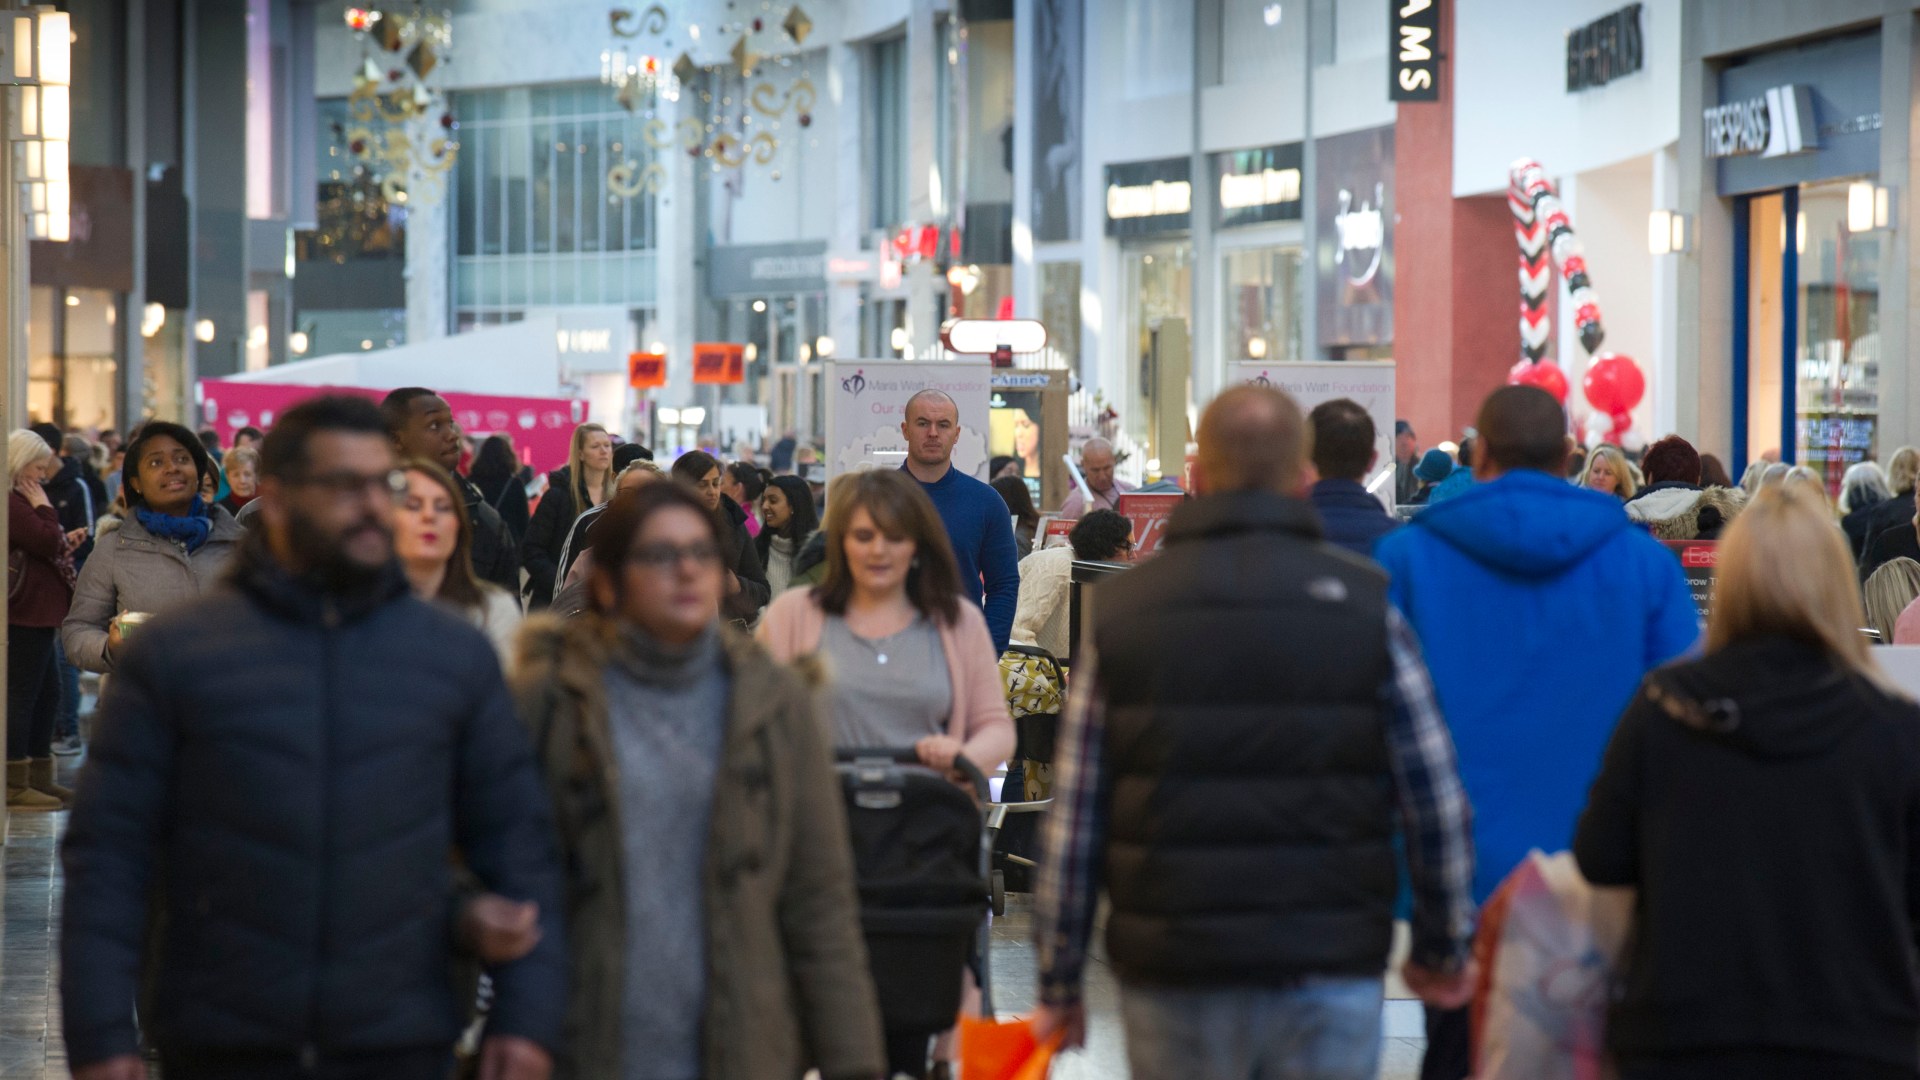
(1003, 1050)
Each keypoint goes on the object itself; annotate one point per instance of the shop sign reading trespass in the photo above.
(1771, 124)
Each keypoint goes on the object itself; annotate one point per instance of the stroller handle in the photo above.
(910, 756)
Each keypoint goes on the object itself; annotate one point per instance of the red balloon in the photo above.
(1614, 383)
(1546, 375)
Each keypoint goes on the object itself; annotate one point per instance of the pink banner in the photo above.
(541, 428)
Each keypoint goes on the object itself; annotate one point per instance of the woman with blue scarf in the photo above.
(171, 547)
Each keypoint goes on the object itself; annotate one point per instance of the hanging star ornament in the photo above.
(744, 57)
(797, 25)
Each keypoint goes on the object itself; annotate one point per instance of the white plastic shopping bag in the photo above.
(1548, 946)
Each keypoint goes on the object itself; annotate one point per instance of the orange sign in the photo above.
(646, 370)
(719, 362)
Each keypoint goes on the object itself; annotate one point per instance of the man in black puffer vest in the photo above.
(1247, 721)
(262, 845)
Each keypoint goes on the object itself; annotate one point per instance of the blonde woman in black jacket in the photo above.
(1765, 802)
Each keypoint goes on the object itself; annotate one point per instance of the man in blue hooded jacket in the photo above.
(1540, 606)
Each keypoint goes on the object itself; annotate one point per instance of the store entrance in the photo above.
(1159, 298)
(1807, 327)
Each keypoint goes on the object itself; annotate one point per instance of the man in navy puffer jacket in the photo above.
(262, 847)
(1343, 454)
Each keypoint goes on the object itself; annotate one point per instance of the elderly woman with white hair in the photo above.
(39, 588)
(1863, 487)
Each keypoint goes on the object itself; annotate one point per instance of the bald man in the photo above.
(1096, 467)
(1251, 722)
(979, 525)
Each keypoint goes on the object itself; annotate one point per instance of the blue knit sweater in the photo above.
(981, 529)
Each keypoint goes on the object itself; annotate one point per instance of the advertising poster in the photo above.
(1355, 208)
(1058, 62)
(1149, 513)
(1698, 558)
(1368, 382)
(866, 402)
(1014, 430)
(541, 428)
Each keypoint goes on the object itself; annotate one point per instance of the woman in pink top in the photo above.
(908, 661)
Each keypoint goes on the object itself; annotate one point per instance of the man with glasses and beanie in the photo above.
(261, 855)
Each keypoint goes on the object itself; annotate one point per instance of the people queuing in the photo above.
(710, 901)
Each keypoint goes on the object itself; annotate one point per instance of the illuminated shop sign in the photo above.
(1774, 123)
(1258, 185)
(1145, 197)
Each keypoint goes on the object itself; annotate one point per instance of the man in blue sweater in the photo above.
(1540, 607)
(977, 519)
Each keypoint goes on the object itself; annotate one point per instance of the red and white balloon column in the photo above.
(1613, 383)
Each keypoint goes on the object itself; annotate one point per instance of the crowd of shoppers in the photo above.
(313, 807)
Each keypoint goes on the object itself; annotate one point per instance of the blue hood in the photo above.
(1526, 523)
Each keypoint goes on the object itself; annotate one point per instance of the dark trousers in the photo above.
(1449, 1047)
(33, 691)
(433, 1064)
(67, 721)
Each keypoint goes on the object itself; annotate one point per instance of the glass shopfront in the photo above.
(1797, 141)
(1257, 205)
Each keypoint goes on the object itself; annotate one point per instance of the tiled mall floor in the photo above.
(30, 1046)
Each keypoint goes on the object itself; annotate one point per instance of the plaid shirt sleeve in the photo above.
(1433, 806)
(1074, 840)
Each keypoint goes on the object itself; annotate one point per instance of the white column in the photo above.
(428, 239)
(846, 90)
(923, 284)
(1663, 367)
(675, 292)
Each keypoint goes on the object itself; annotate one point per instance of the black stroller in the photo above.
(921, 854)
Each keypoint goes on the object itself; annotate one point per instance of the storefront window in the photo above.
(1159, 293)
(1812, 286)
(1060, 309)
(1766, 369)
(1260, 292)
(1837, 362)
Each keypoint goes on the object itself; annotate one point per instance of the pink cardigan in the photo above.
(791, 626)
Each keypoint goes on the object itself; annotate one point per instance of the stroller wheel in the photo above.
(999, 892)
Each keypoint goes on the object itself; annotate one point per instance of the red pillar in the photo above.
(1456, 290)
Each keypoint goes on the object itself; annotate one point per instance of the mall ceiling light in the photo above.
(203, 331)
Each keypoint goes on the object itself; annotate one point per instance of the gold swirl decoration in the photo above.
(626, 24)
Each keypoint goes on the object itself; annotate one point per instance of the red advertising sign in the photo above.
(1698, 558)
(646, 370)
(1056, 531)
(719, 362)
(1149, 514)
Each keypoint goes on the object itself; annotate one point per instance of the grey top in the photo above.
(667, 716)
(133, 570)
(887, 693)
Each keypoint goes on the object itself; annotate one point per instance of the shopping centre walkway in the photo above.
(31, 1049)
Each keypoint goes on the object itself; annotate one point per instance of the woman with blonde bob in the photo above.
(1607, 470)
(1764, 801)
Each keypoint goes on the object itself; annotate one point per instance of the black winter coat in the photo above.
(743, 558)
(1890, 515)
(495, 554)
(74, 500)
(508, 497)
(546, 536)
(278, 784)
(1766, 803)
